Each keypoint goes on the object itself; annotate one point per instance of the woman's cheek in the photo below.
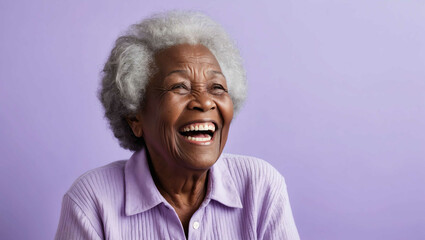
(225, 105)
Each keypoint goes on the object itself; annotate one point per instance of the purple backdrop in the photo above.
(336, 104)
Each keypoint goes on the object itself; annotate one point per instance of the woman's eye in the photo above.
(177, 86)
(218, 89)
(180, 88)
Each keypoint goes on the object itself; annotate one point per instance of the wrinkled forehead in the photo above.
(185, 55)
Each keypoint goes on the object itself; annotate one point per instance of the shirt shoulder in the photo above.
(264, 195)
(253, 173)
(98, 182)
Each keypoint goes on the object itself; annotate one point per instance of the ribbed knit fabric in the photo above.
(246, 199)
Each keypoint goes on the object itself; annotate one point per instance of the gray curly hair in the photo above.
(130, 65)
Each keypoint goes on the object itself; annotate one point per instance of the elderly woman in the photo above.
(170, 89)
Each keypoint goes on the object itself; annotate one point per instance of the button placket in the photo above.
(173, 224)
(195, 227)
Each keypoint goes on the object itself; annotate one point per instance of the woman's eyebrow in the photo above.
(216, 72)
(211, 72)
(176, 71)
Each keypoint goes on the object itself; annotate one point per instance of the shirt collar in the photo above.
(221, 186)
(141, 193)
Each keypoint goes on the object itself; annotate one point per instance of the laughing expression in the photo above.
(187, 110)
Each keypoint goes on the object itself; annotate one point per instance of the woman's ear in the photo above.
(135, 123)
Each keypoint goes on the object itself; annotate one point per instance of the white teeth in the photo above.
(200, 127)
(199, 139)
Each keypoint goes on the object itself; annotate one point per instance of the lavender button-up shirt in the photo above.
(246, 199)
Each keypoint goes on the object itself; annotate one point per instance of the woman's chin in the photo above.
(199, 155)
(199, 161)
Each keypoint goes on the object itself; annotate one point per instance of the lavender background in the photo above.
(336, 103)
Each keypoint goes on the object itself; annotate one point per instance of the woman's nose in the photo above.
(202, 102)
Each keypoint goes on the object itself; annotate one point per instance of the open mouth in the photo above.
(198, 133)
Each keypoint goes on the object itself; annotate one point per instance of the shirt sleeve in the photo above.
(74, 224)
(279, 222)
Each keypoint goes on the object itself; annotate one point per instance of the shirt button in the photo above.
(196, 225)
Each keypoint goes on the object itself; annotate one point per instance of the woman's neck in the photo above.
(180, 188)
(183, 189)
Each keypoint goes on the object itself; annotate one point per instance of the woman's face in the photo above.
(187, 113)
